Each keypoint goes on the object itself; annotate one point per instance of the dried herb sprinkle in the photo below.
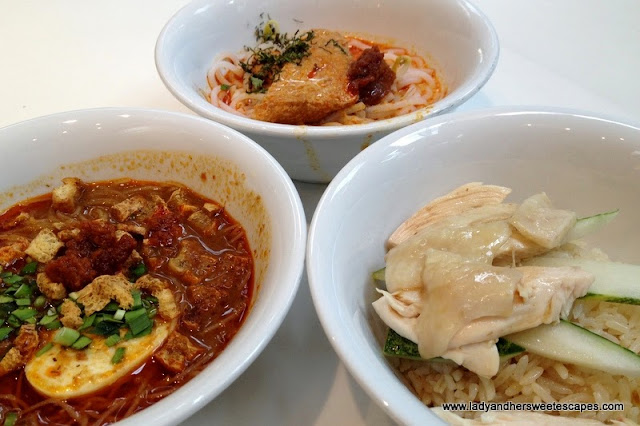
(274, 51)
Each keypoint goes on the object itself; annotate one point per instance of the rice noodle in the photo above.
(416, 86)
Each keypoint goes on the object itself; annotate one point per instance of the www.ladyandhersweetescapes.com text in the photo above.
(532, 406)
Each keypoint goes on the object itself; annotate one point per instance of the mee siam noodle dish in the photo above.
(497, 302)
(112, 295)
(321, 77)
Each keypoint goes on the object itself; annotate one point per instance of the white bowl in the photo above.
(455, 34)
(109, 143)
(584, 163)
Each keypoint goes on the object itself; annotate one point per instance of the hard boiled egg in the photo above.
(63, 372)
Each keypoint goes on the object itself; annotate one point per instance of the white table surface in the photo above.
(60, 55)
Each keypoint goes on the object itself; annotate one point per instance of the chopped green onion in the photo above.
(23, 291)
(88, 322)
(29, 268)
(6, 299)
(112, 340)
(224, 87)
(44, 349)
(137, 299)
(12, 279)
(131, 315)
(5, 310)
(145, 331)
(117, 357)
(400, 60)
(11, 418)
(52, 311)
(153, 312)
(47, 319)
(40, 301)
(73, 295)
(128, 335)
(105, 328)
(140, 269)
(4, 332)
(139, 324)
(151, 299)
(111, 307)
(81, 343)
(256, 83)
(119, 315)
(24, 313)
(13, 321)
(31, 320)
(53, 325)
(6, 274)
(66, 336)
(23, 302)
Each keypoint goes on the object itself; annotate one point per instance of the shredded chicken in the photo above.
(458, 201)
(455, 284)
(537, 220)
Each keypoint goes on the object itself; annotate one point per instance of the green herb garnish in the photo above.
(11, 418)
(24, 313)
(66, 336)
(44, 349)
(140, 269)
(29, 268)
(224, 87)
(81, 343)
(112, 340)
(117, 357)
(336, 44)
(256, 83)
(266, 62)
(4, 332)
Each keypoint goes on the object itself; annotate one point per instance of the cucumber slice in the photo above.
(588, 225)
(379, 274)
(568, 342)
(508, 349)
(614, 282)
(398, 346)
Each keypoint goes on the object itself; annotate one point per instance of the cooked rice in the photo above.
(532, 378)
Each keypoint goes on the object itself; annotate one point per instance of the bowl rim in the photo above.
(166, 411)
(244, 124)
(319, 292)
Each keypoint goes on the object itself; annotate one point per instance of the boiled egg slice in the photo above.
(63, 372)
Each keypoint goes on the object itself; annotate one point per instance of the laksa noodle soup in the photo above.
(321, 77)
(502, 303)
(113, 295)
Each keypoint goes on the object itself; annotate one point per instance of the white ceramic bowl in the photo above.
(458, 38)
(109, 143)
(585, 164)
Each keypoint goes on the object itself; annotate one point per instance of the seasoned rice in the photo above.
(532, 378)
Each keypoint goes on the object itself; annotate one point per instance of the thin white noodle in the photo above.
(415, 87)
